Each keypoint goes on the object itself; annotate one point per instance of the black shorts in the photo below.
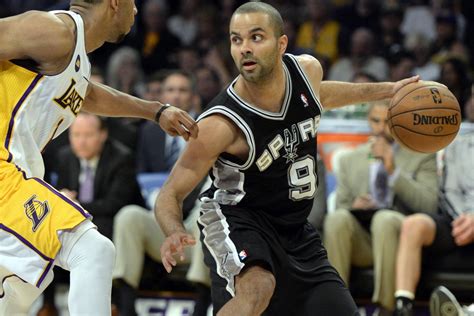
(306, 284)
(444, 241)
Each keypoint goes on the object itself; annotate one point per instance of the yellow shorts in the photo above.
(32, 213)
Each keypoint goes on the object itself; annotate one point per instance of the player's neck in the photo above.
(94, 35)
(266, 94)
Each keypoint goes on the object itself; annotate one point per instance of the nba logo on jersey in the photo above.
(304, 99)
(36, 211)
(242, 255)
(77, 65)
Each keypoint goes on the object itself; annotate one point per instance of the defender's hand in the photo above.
(177, 122)
(174, 245)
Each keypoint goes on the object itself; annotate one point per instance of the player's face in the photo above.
(86, 137)
(125, 19)
(177, 91)
(378, 122)
(254, 46)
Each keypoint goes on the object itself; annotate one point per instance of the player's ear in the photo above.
(114, 5)
(282, 43)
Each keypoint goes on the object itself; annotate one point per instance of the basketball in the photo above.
(424, 117)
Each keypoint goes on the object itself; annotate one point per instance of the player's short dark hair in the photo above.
(261, 7)
(85, 1)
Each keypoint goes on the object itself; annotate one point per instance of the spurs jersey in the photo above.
(36, 108)
(279, 176)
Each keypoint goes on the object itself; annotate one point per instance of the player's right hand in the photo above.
(174, 246)
(176, 122)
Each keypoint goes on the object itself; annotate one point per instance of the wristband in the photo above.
(158, 114)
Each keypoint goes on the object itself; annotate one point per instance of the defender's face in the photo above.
(126, 17)
(254, 46)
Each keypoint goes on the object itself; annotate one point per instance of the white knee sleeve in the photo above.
(90, 261)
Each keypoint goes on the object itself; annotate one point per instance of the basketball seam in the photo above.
(416, 132)
(406, 94)
(423, 109)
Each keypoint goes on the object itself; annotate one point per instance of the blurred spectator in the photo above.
(188, 58)
(208, 84)
(184, 24)
(97, 172)
(377, 183)
(320, 32)
(14, 7)
(360, 59)
(153, 39)
(136, 232)
(154, 85)
(402, 65)
(469, 107)
(420, 46)
(419, 19)
(360, 14)
(454, 75)
(215, 60)
(209, 31)
(157, 151)
(390, 36)
(124, 71)
(447, 42)
(447, 233)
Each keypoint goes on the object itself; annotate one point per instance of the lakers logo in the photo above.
(70, 99)
(36, 211)
(436, 96)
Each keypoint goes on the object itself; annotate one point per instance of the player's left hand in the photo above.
(401, 83)
(463, 229)
(174, 246)
(177, 122)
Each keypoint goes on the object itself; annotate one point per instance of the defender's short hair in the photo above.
(85, 1)
(261, 7)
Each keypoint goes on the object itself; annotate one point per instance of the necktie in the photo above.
(86, 189)
(381, 186)
(173, 153)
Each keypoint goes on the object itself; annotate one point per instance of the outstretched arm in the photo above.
(334, 94)
(216, 136)
(104, 100)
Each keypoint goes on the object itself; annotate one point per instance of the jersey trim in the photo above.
(29, 245)
(266, 114)
(243, 126)
(306, 80)
(16, 109)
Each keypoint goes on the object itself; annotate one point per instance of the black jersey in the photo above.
(280, 176)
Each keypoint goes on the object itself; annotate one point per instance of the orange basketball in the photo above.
(424, 117)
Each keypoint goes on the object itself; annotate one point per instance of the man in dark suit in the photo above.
(97, 172)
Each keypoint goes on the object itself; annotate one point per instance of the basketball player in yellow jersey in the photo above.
(44, 83)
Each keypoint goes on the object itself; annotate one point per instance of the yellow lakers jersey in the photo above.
(36, 108)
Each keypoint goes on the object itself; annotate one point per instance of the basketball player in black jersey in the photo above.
(258, 139)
